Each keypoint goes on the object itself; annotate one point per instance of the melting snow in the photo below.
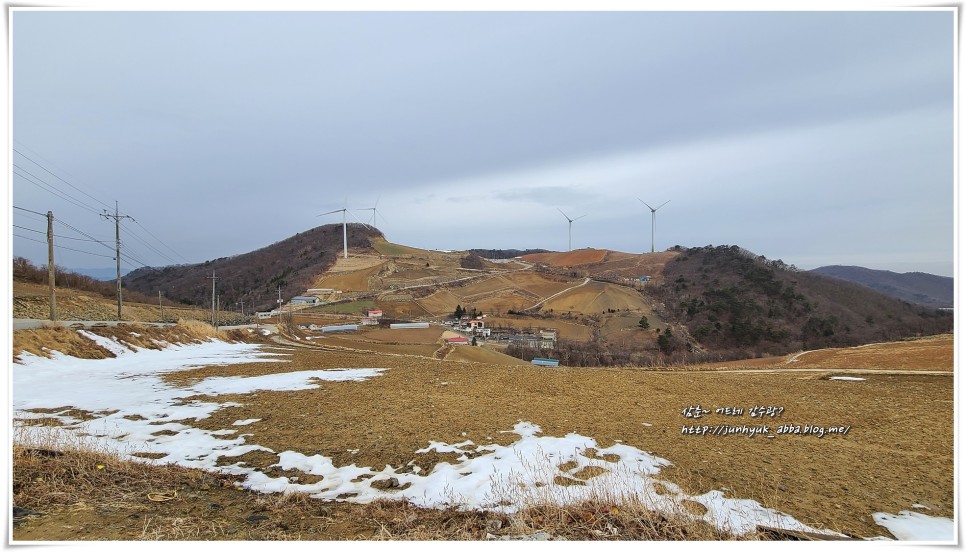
(914, 526)
(846, 378)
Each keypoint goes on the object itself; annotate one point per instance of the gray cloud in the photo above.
(798, 135)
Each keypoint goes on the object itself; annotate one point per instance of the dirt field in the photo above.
(570, 258)
(898, 452)
(354, 280)
(596, 298)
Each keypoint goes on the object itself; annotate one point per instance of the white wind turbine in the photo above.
(653, 218)
(345, 235)
(570, 224)
(375, 212)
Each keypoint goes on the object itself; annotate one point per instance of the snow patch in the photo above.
(846, 378)
(913, 526)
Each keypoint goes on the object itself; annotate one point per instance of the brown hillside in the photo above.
(570, 258)
(597, 298)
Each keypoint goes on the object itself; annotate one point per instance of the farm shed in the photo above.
(409, 325)
(342, 328)
(305, 300)
(545, 362)
(457, 341)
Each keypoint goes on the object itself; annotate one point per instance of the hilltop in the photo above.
(256, 277)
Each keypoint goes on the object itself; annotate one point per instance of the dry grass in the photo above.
(65, 488)
(42, 341)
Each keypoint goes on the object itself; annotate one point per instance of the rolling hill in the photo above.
(915, 287)
(731, 299)
(705, 303)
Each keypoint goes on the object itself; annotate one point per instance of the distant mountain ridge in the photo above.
(915, 287)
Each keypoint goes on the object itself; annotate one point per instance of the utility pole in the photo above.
(213, 278)
(161, 306)
(51, 270)
(117, 240)
(279, 304)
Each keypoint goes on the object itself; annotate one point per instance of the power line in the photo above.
(62, 247)
(76, 201)
(29, 211)
(55, 235)
(43, 185)
(57, 177)
(127, 254)
(81, 232)
(151, 247)
(159, 240)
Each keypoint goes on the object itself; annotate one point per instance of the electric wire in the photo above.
(63, 247)
(46, 187)
(55, 235)
(29, 211)
(51, 188)
(57, 177)
(159, 240)
(151, 247)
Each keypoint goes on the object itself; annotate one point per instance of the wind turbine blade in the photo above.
(580, 217)
(648, 206)
(564, 214)
(330, 212)
(357, 220)
(663, 204)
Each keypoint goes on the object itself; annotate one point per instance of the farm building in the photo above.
(374, 313)
(408, 325)
(342, 328)
(534, 341)
(545, 362)
(305, 300)
(457, 341)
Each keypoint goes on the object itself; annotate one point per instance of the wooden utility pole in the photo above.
(117, 240)
(160, 305)
(51, 270)
(213, 299)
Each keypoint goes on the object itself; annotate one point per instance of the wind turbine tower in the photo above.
(570, 224)
(345, 238)
(653, 218)
(375, 213)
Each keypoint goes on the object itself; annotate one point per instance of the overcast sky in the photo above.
(817, 138)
